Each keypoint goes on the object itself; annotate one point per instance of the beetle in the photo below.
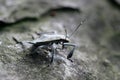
(50, 41)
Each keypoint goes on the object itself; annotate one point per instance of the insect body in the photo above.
(50, 42)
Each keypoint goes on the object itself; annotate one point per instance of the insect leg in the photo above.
(72, 51)
(52, 58)
(54, 50)
(18, 42)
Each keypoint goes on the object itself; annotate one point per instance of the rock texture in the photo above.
(97, 56)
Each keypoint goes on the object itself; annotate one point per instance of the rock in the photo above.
(118, 1)
(15, 10)
(97, 40)
(115, 3)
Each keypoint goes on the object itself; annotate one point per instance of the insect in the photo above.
(50, 42)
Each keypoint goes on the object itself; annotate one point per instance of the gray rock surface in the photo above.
(118, 1)
(97, 56)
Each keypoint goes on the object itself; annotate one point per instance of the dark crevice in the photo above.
(54, 11)
(64, 9)
(4, 24)
(51, 12)
(115, 4)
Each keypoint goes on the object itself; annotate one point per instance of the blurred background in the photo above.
(97, 56)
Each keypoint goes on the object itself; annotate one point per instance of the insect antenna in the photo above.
(65, 32)
(78, 26)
